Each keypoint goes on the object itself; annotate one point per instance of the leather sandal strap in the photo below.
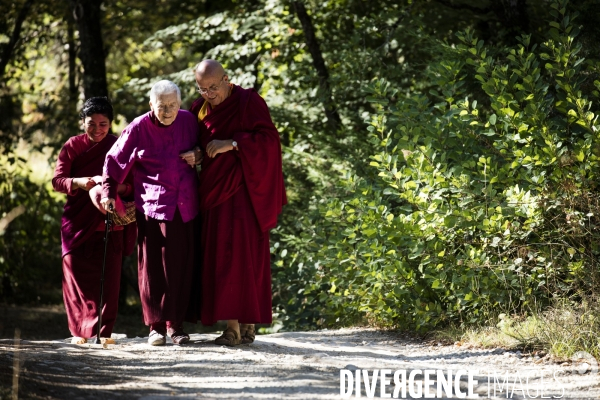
(228, 338)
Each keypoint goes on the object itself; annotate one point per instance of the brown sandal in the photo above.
(179, 337)
(229, 338)
(248, 333)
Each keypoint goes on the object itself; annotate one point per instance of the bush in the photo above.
(481, 197)
(30, 256)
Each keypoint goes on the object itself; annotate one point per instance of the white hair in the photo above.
(164, 87)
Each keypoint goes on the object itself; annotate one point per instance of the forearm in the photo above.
(118, 163)
(110, 187)
(64, 185)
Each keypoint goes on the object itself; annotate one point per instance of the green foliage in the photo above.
(30, 256)
(479, 203)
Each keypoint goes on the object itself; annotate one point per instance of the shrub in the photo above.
(481, 197)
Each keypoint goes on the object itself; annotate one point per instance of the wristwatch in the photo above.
(234, 144)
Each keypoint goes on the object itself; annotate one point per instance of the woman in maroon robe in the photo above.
(82, 231)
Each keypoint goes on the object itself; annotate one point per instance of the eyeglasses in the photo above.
(211, 89)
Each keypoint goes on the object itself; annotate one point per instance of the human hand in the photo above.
(218, 146)
(108, 204)
(85, 183)
(192, 157)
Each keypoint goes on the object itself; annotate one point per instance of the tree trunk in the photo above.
(72, 55)
(333, 118)
(91, 49)
(14, 38)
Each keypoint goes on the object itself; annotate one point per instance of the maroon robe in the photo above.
(83, 241)
(241, 195)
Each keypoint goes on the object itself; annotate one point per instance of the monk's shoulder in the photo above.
(252, 96)
(255, 103)
(250, 92)
(245, 92)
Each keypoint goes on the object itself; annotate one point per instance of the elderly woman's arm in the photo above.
(118, 163)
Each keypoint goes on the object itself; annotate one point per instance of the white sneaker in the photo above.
(156, 339)
(78, 340)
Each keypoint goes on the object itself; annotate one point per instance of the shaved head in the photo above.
(212, 82)
(209, 69)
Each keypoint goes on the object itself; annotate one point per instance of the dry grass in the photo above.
(562, 330)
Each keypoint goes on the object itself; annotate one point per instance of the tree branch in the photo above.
(333, 118)
(10, 46)
(395, 26)
(475, 10)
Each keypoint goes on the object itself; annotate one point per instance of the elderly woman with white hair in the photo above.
(160, 148)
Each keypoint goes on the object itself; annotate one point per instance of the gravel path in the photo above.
(294, 365)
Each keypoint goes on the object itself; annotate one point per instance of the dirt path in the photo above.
(303, 365)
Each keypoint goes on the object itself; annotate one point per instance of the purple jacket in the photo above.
(162, 181)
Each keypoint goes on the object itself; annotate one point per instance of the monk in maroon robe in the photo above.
(241, 195)
(82, 231)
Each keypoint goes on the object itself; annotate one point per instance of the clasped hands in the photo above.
(87, 183)
(192, 157)
(195, 156)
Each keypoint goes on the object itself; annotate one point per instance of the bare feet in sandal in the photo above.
(247, 333)
(230, 337)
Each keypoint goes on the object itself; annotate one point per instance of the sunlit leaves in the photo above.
(474, 197)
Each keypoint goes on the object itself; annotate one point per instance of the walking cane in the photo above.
(106, 230)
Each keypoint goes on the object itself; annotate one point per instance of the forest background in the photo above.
(441, 157)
